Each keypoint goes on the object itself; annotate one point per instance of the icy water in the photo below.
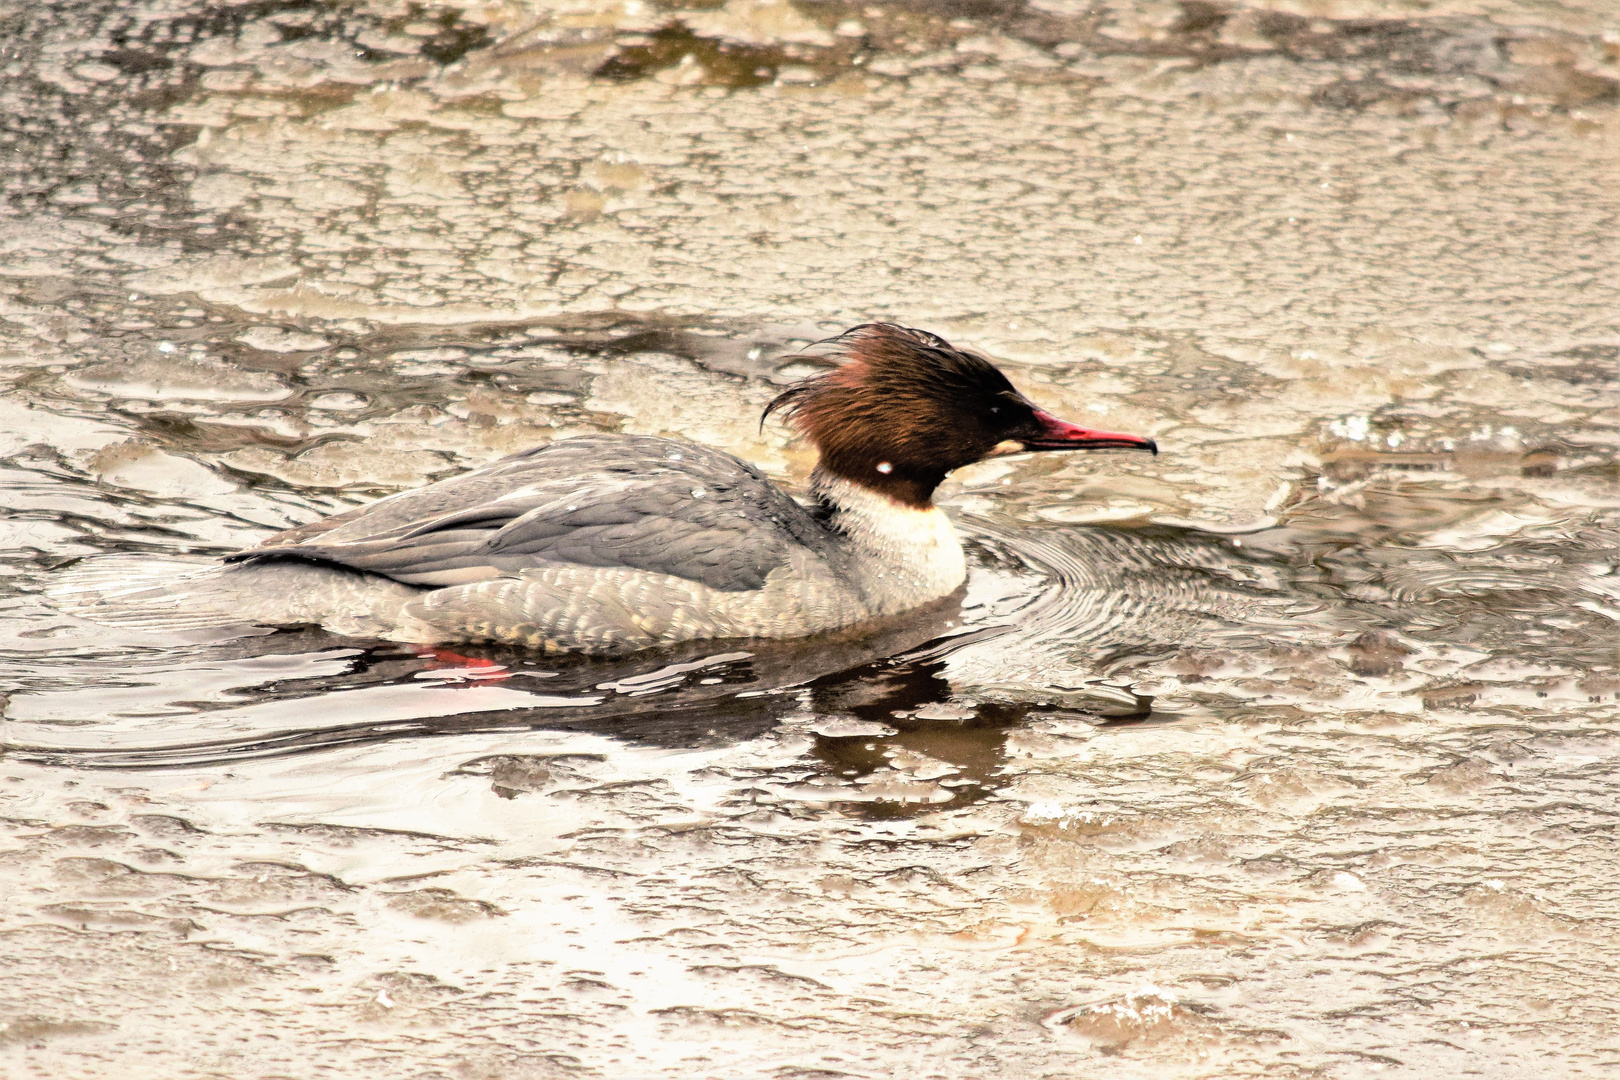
(1290, 752)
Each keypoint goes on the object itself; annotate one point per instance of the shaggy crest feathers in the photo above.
(902, 408)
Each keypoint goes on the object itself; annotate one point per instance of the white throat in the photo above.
(904, 556)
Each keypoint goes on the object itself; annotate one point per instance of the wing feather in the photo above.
(602, 501)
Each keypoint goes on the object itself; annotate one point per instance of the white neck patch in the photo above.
(913, 555)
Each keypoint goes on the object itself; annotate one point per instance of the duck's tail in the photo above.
(177, 594)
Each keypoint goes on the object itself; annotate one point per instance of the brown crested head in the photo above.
(904, 407)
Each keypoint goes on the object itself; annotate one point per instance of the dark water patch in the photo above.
(454, 38)
(722, 63)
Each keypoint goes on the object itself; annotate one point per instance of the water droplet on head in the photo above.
(697, 493)
(885, 468)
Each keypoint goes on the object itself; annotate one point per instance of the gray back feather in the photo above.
(640, 502)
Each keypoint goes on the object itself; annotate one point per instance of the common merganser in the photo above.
(608, 544)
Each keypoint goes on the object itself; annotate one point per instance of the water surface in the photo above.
(1290, 752)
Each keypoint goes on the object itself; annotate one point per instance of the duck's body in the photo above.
(612, 543)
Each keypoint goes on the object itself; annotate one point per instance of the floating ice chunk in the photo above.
(1354, 428)
(134, 464)
(1466, 776)
(222, 191)
(847, 727)
(96, 72)
(918, 766)
(80, 194)
(214, 272)
(419, 175)
(274, 339)
(1147, 1016)
(21, 425)
(944, 711)
(1007, 50)
(427, 355)
(167, 378)
(325, 194)
(342, 464)
(1044, 811)
(340, 401)
(759, 22)
(421, 362)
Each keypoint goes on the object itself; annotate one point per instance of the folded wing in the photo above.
(601, 501)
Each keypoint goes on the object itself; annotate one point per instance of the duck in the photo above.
(609, 544)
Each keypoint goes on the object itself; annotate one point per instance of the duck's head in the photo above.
(904, 407)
